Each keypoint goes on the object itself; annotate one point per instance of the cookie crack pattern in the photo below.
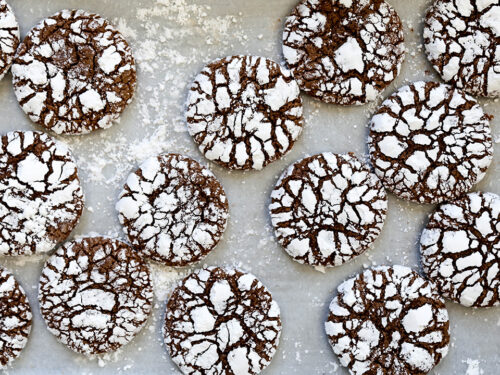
(74, 73)
(388, 320)
(244, 112)
(9, 37)
(173, 210)
(221, 321)
(462, 40)
(460, 249)
(15, 318)
(95, 294)
(41, 198)
(328, 208)
(344, 51)
(430, 142)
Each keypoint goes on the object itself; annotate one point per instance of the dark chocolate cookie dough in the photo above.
(74, 73)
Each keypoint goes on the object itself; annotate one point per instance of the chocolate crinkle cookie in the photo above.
(344, 51)
(460, 249)
(221, 322)
(9, 37)
(244, 112)
(462, 41)
(388, 320)
(430, 142)
(328, 208)
(74, 73)
(95, 294)
(15, 318)
(41, 199)
(173, 210)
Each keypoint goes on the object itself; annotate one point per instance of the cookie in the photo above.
(9, 37)
(344, 51)
(221, 321)
(430, 142)
(460, 249)
(244, 112)
(327, 209)
(41, 199)
(173, 210)
(461, 39)
(15, 318)
(388, 320)
(74, 73)
(95, 294)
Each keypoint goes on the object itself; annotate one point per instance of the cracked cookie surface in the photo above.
(222, 321)
(41, 199)
(344, 51)
(173, 210)
(74, 73)
(9, 37)
(95, 294)
(15, 318)
(460, 249)
(430, 142)
(462, 39)
(328, 208)
(388, 320)
(244, 112)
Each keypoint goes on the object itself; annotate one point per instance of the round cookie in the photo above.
(74, 73)
(15, 318)
(460, 249)
(244, 112)
(173, 210)
(430, 142)
(461, 39)
(327, 209)
(344, 51)
(41, 199)
(388, 320)
(95, 294)
(221, 321)
(9, 37)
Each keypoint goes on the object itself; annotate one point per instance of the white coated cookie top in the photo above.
(344, 52)
(9, 37)
(430, 142)
(244, 112)
(388, 320)
(222, 321)
(462, 40)
(328, 208)
(15, 318)
(95, 294)
(74, 73)
(41, 198)
(460, 249)
(173, 210)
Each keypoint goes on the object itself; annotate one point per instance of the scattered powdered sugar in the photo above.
(473, 367)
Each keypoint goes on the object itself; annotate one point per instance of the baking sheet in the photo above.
(172, 40)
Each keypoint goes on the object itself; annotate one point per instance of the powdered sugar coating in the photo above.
(15, 318)
(244, 112)
(222, 321)
(74, 73)
(462, 41)
(388, 320)
(95, 294)
(173, 210)
(41, 198)
(460, 249)
(9, 37)
(328, 208)
(430, 142)
(344, 52)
